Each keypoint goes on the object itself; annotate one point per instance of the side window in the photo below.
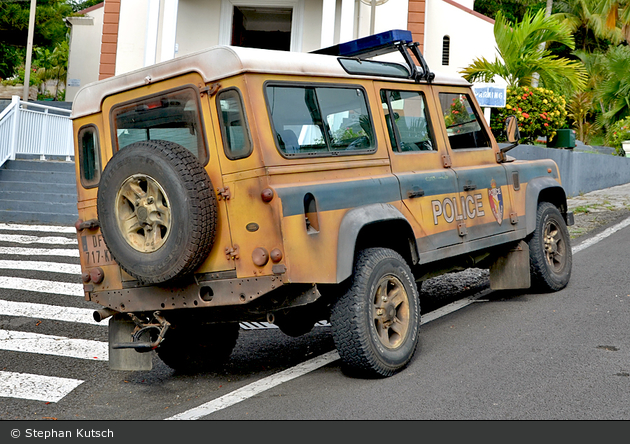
(236, 141)
(462, 122)
(407, 120)
(172, 116)
(320, 121)
(89, 156)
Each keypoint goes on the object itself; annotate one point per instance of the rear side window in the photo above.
(463, 125)
(172, 116)
(236, 141)
(320, 121)
(89, 156)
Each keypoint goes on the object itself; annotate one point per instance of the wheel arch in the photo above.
(543, 189)
(359, 229)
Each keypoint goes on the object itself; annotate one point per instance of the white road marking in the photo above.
(54, 312)
(54, 267)
(24, 239)
(35, 387)
(257, 387)
(27, 342)
(601, 236)
(40, 286)
(22, 251)
(45, 228)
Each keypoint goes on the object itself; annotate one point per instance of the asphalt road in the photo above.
(509, 355)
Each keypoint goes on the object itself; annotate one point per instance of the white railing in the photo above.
(31, 128)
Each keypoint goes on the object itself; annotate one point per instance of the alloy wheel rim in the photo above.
(390, 310)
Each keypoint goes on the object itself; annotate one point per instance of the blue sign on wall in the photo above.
(490, 95)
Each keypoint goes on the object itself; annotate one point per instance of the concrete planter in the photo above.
(7, 91)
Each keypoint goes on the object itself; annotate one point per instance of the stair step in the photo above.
(40, 207)
(34, 187)
(10, 175)
(40, 165)
(32, 217)
(38, 196)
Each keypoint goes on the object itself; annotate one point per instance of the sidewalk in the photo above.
(599, 208)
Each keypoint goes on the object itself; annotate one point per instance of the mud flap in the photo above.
(511, 271)
(120, 330)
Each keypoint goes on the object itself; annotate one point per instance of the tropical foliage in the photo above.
(539, 111)
(617, 133)
(521, 47)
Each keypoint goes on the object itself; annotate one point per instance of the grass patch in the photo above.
(582, 209)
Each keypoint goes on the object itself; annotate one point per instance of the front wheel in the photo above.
(375, 324)
(550, 250)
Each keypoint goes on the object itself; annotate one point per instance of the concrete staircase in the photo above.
(38, 192)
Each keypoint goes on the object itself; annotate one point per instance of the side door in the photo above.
(486, 206)
(427, 185)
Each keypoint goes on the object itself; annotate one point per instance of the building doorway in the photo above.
(262, 27)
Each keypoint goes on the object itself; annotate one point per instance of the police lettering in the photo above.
(451, 209)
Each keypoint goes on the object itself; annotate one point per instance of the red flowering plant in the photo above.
(457, 114)
(540, 112)
(617, 133)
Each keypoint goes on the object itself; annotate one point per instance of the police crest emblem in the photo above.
(496, 201)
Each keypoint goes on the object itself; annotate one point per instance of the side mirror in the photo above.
(511, 129)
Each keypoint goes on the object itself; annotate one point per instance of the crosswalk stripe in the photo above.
(22, 251)
(35, 387)
(27, 342)
(41, 286)
(44, 311)
(45, 228)
(54, 267)
(24, 239)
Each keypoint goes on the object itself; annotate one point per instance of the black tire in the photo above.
(550, 253)
(198, 348)
(170, 228)
(361, 313)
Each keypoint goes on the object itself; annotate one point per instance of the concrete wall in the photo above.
(471, 37)
(580, 172)
(84, 57)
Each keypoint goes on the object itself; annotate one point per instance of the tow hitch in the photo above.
(158, 323)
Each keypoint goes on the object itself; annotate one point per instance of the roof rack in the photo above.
(384, 43)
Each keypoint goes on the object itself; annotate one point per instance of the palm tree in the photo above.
(616, 12)
(522, 55)
(587, 23)
(614, 90)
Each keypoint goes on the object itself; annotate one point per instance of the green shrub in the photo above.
(617, 133)
(540, 112)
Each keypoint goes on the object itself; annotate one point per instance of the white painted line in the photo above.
(27, 342)
(601, 236)
(40, 286)
(257, 387)
(54, 267)
(23, 239)
(54, 312)
(45, 228)
(21, 251)
(35, 387)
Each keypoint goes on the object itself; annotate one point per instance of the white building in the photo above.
(131, 34)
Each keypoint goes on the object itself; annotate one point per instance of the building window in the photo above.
(446, 48)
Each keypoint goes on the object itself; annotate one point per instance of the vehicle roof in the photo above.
(219, 62)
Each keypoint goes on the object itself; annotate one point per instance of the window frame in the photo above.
(273, 83)
(243, 113)
(97, 156)
(202, 132)
(398, 148)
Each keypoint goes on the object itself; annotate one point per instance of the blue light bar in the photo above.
(370, 46)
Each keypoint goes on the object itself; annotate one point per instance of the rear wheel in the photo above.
(375, 324)
(197, 348)
(550, 250)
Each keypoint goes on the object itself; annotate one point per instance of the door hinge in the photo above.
(231, 253)
(446, 160)
(211, 90)
(224, 193)
(513, 218)
(461, 227)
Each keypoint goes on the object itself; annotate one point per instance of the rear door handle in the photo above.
(470, 186)
(416, 192)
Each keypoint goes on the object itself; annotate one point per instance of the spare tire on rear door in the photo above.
(157, 210)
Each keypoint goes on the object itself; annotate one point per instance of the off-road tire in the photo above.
(199, 347)
(550, 250)
(356, 322)
(186, 219)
